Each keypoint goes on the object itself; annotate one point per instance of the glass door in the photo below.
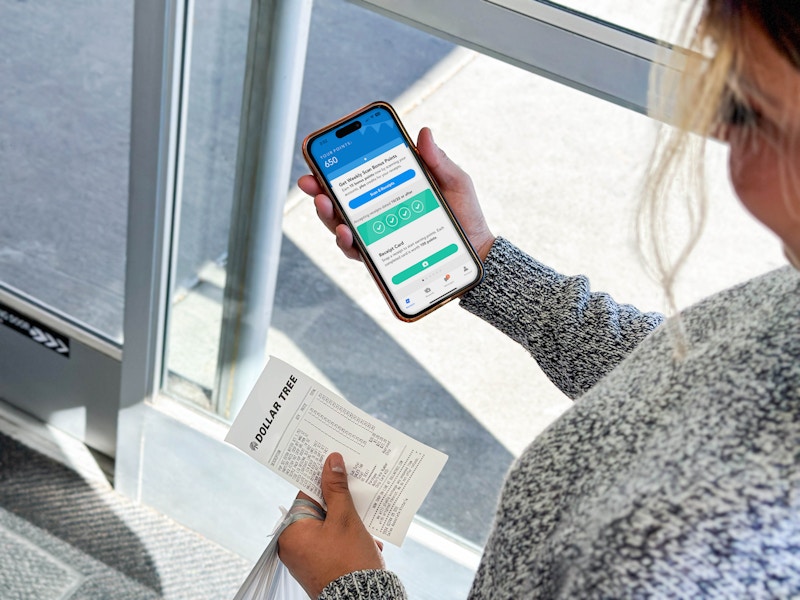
(216, 90)
(215, 283)
(64, 143)
(220, 260)
(208, 314)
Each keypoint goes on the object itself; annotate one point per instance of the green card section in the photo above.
(424, 264)
(401, 214)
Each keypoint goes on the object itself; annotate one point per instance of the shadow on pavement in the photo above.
(375, 373)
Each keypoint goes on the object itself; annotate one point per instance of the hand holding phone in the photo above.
(453, 181)
(402, 227)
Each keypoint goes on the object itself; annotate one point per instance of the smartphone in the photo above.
(409, 239)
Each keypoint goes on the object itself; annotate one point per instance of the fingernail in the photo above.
(337, 463)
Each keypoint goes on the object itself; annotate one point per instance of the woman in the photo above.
(675, 473)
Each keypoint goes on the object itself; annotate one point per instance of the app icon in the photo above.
(447, 277)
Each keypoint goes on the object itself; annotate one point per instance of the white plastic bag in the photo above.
(270, 579)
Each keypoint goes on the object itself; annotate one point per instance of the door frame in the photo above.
(169, 456)
(585, 53)
(58, 370)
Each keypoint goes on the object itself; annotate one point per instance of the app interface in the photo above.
(407, 233)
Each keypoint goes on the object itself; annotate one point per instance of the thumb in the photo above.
(335, 490)
(447, 173)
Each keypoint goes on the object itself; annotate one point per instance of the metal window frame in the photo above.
(587, 54)
(587, 26)
(157, 47)
(165, 450)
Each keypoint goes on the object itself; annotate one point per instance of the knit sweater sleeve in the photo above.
(576, 335)
(365, 585)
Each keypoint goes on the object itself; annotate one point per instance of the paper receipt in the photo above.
(291, 423)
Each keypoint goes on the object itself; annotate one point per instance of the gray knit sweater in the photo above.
(667, 477)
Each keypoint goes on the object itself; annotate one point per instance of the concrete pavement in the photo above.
(559, 173)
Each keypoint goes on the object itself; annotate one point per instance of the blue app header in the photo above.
(375, 132)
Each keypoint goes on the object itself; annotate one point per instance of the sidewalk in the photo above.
(558, 173)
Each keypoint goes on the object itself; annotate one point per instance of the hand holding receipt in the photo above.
(291, 424)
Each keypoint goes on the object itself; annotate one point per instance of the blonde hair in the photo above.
(689, 98)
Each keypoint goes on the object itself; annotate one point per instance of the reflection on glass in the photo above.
(64, 144)
(216, 62)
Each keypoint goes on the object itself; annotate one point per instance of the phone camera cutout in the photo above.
(348, 129)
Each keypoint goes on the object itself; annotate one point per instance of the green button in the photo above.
(424, 264)
(399, 215)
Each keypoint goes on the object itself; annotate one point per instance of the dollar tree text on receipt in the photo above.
(290, 423)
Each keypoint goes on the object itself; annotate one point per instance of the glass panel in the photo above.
(216, 63)
(558, 172)
(64, 140)
(399, 57)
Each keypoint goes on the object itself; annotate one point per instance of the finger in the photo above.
(326, 212)
(344, 236)
(310, 185)
(379, 544)
(447, 173)
(346, 243)
(336, 491)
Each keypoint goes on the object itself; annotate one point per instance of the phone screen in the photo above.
(417, 251)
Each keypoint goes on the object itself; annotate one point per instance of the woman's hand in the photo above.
(455, 184)
(318, 552)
